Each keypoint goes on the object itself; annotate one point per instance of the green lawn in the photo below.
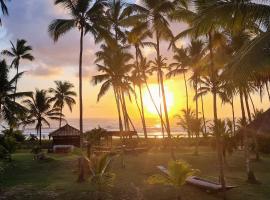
(56, 178)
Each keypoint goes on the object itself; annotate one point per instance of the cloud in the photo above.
(29, 20)
(46, 72)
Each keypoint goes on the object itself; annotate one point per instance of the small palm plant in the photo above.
(101, 178)
(178, 172)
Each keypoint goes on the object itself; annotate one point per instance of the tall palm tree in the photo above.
(20, 51)
(180, 66)
(119, 16)
(154, 13)
(112, 61)
(86, 16)
(63, 94)
(4, 8)
(40, 111)
(136, 38)
(10, 110)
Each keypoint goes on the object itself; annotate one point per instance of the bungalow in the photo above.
(66, 135)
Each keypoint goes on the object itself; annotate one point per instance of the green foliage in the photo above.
(94, 136)
(101, 178)
(10, 110)
(178, 172)
(36, 150)
(10, 140)
(4, 154)
(63, 95)
(264, 143)
(189, 122)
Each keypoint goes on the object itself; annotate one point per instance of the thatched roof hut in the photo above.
(66, 135)
(261, 125)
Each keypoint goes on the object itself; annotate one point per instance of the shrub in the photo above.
(264, 143)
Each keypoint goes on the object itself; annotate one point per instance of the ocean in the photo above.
(153, 127)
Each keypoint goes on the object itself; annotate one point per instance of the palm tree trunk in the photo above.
(185, 80)
(196, 96)
(160, 108)
(16, 81)
(153, 101)
(253, 134)
(250, 175)
(60, 118)
(162, 88)
(218, 142)
(267, 89)
(233, 115)
(118, 109)
(80, 88)
(39, 129)
(203, 115)
(204, 122)
(247, 105)
(142, 111)
(252, 103)
(141, 98)
(187, 106)
(124, 109)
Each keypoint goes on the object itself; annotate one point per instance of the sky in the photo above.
(29, 19)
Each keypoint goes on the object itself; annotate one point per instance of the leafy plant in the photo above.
(178, 172)
(101, 179)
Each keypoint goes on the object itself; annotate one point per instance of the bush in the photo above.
(36, 150)
(4, 154)
(264, 143)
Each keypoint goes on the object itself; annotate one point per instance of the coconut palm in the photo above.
(3, 8)
(154, 13)
(136, 38)
(63, 95)
(40, 111)
(119, 16)
(180, 67)
(87, 17)
(10, 110)
(193, 125)
(112, 62)
(18, 52)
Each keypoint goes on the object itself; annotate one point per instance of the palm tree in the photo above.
(154, 14)
(227, 96)
(40, 111)
(62, 95)
(119, 16)
(3, 8)
(191, 124)
(86, 16)
(20, 51)
(180, 67)
(10, 110)
(112, 61)
(135, 37)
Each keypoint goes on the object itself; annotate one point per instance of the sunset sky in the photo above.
(29, 19)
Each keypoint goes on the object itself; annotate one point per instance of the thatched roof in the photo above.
(66, 130)
(261, 124)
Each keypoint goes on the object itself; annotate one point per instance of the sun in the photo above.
(148, 103)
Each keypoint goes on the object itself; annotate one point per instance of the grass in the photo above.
(26, 178)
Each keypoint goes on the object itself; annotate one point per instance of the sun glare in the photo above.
(147, 100)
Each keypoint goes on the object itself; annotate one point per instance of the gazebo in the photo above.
(66, 135)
